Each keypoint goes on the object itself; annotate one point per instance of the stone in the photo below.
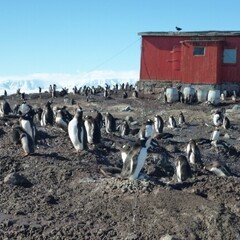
(17, 180)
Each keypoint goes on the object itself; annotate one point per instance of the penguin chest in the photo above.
(140, 163)
(157, 125)
(192, 158)
(26, 125)
(215, 136)
(179, 172)
(148, 131)
(73, 134)
(90, 129)
(124, 156)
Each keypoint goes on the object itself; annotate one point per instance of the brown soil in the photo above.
(70, 199)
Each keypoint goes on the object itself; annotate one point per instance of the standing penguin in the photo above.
(135, 94)
(77, 131)
(61, 121)
(146, 130)
(183, 169)
(215, 135)
(99, 119)
(217, 120)
(110, 123)
(158, 124)
(27, 144)
(27, 124)
(193, 153)
(47, 115)
(135, 159)
(5, 108)
(226, 122)
(181, 119)
(172, 122)
(93, 130)
(124, 152)
(124, 128)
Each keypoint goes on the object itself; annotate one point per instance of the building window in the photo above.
(230, 56)
(199, 51)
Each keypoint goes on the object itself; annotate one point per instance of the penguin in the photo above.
(146, 130)
(219, 169)
(183, 169)
(223, 97)
(124, 152)
(61, 121)
(124, 128)
(181, 119)
(135, 94)
(226, 122)
(24, 108)
(110, 123)
(193, 153)
(105, 93)
(47, 115)
(39, 114)
(125, 95)
(99, 119)
(217, 121)
(27, 124)
(158, 124)
(66, 114)
(215, 135)
(16, 133)
(135, 159)
(77, 131)
(172, 122)
(27, 144)
(5, 108)
(92, 129)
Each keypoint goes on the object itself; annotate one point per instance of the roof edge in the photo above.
(192, 33)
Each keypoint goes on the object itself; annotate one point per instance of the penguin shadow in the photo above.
(44, 135)
(55, 156)
(2, 132)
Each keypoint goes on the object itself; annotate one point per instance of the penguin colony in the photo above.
(85, 132)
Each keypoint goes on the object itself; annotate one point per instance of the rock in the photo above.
(168, 237)
(226, 136)
(17, 180)
(236, 107)
(172, 148)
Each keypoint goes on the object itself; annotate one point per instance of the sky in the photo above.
(82, 36)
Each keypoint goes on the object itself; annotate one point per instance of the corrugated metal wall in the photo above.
(171, 58)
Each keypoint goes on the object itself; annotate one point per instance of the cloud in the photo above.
(31, 82)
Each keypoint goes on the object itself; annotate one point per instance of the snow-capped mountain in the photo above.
(30, 83)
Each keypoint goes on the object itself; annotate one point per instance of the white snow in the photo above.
(30, 83)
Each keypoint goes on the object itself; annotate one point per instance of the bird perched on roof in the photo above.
(178, 29)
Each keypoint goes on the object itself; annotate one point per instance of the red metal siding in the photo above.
(231, 72)
(156, 58)
(169, 58)
(200, 69)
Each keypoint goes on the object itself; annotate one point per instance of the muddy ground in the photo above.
(67, 197)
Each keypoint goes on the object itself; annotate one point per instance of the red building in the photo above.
(207, 57)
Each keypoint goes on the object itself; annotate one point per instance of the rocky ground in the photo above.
(59, 194)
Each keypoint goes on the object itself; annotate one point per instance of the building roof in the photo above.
(192, 34)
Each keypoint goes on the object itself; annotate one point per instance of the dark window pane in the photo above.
(198, 51)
